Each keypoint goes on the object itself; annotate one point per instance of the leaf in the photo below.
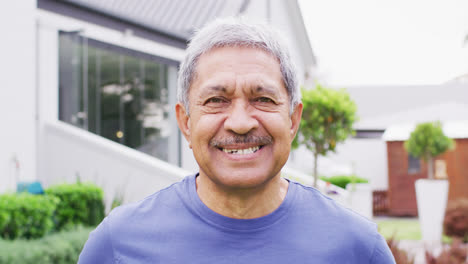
(327, 119)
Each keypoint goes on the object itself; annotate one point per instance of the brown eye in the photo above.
(264, 100)
(215, 100)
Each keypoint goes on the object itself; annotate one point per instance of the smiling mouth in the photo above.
(242, 151)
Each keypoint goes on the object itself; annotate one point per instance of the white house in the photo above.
(88, 87)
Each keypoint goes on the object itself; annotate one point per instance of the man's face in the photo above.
(239, 126)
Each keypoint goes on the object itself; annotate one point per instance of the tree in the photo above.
(327, 119)
(428, 141)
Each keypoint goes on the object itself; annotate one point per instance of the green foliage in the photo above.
(327, 119)
(79, 204)
(428, 140)
(400, 228)
(4, 216)
(58, 248)
(117, 200)
(343, 180)
(25, 215)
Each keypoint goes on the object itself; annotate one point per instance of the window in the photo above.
(414, 164)
(120, 94)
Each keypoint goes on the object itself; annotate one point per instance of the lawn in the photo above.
(402, 229)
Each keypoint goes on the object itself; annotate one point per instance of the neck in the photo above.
(242, 203)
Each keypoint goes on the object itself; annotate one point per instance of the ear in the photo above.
(296, 119)
(183, 122)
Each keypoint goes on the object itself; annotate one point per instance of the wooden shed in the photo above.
(404, 170)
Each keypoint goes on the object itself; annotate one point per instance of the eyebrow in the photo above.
(264, 89)
(216, 88)
(213, 89)
(223, 89)
(260, 88)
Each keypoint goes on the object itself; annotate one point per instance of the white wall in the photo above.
(17, 77)
(188, 160)
(257, 9)
(366, 158)
(282, 18)
(72, 152)
(369, 158)
(279, 16)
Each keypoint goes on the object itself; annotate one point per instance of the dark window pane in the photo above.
(110, 94)
(130, 102)
(117, 93)
(70, 79)
(414, 164)
(93, 89)
(155, 113)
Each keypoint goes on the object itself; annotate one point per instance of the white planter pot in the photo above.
(431, 196)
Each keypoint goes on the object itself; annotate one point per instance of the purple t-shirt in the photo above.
(174, 226)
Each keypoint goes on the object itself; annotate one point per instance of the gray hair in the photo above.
(236, 32)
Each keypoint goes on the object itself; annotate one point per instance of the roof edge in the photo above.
(92, 15)
(455, 129)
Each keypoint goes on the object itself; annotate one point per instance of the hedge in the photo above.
(343, 180)
(59, 248)
(80, 203)
(26, 215)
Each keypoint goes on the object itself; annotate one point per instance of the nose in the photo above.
(240, 119)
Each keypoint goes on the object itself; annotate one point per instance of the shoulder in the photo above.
(308, 198)
(151, 205)
(344, 228)
(131, 222)
(98, 247)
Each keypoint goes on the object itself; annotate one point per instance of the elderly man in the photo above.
(239, 109)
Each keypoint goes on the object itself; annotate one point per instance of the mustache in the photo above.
(241, 139)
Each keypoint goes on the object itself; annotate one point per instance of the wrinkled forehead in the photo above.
(213, 51)
(229, 62)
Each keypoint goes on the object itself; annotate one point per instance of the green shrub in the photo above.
(343, 180)
(26, 215)
(58, 248)
(80, 204)
(4, 217)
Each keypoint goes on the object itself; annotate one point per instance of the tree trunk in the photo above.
(430, 168)
(315, 168)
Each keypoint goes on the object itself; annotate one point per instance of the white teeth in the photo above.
(242, 151)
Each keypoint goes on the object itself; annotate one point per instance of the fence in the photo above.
(380, 203)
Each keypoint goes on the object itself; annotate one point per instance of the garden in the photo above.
(51, 227)
(328, 118)
(454, 249)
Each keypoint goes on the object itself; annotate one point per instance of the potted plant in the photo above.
(426, 142)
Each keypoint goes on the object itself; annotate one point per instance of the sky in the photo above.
(388, 42)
